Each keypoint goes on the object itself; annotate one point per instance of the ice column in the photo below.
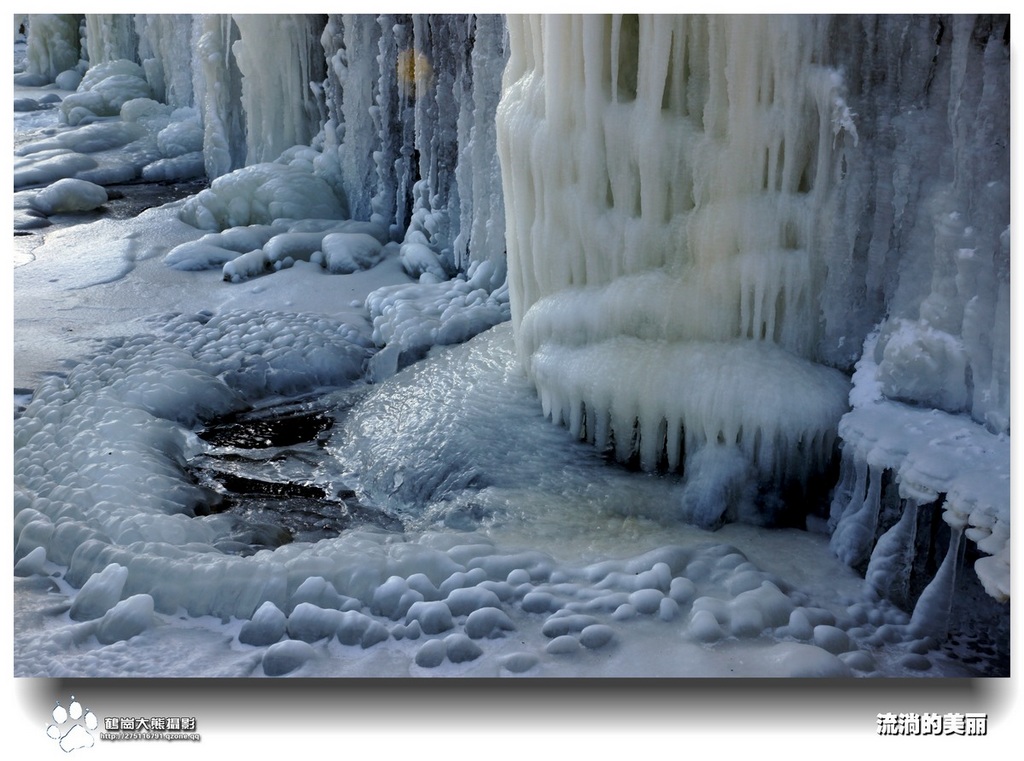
(110, 37)
(666, 182)
(53, 45)
(165, 50)
(931, 613)
(410, 103)
(278, 57)
(217, 85)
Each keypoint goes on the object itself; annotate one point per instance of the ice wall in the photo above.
(399, 108)
(410, 103)
(920, 237)
(921, 247)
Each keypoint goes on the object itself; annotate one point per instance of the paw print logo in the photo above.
(73, 726)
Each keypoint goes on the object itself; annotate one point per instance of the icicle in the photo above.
(888, 572)
(854, 535)
(931, 614)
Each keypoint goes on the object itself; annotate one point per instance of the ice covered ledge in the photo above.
(932, 458)
(665, 182)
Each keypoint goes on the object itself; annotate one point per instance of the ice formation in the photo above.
(664, 258)
(295, 117)
(106, 497)
(699, 221)
(710, 222)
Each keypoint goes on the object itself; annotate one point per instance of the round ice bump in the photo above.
(128, 618)
(488, 623)
(433, 617)
(287, 656)
(31, 564)
(267, 626)
(431, 654)
(100, 593)
(69, 195)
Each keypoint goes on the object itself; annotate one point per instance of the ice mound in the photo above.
(348, 252)
(69, 195)
(23, 105)
(126, 619)
(340, 246)
(100, 593)
(151, 141)
(103, 90)
(261, 193)
(409, 319)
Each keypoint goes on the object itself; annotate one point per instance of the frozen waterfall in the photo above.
(706, 212)
(764, 257)
(666, 186)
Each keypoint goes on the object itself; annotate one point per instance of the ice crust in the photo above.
(440, 600)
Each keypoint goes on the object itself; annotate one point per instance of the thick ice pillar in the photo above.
(217, 84)
(278, 56)
(165, 51)
(110, 37)
(667, 183)
(53, 45)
